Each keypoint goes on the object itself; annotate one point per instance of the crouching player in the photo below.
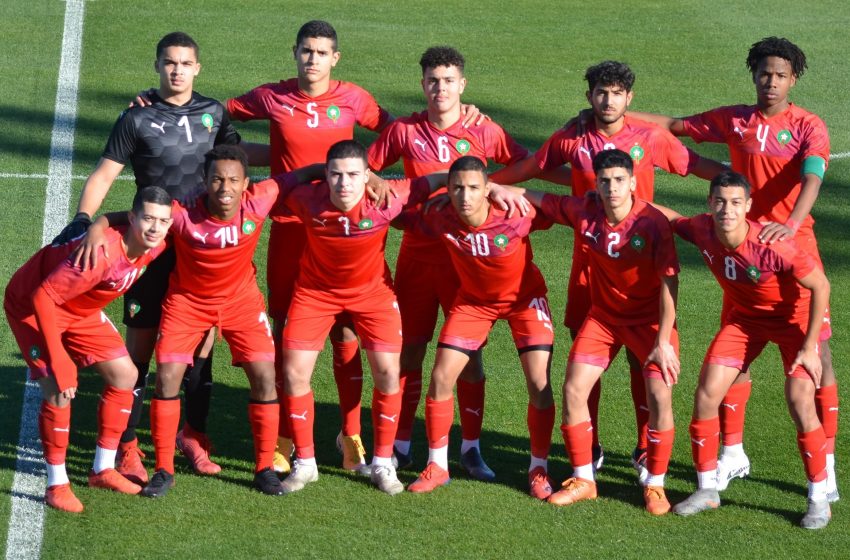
(61, 325)
(492, 255)
(633, 292)
(776, 293)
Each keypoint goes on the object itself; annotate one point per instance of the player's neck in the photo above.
(610, 129)
(314, 89)
(775, 109)
(479, 218)
(219, 213)
(174, 98)
(442, 121)
(616, 215)
(131, 249)
(733, 239)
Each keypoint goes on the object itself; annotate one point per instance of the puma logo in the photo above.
(125, 411)
(594, 237)
(731, 407)
(203, 237)
(700, 442)
(476, 411)
(289, 108)
(302, 416)
(740, 132)
(161, 127)
(420, 143)
(584, 151)
(68, 429)
(390, 418)
(709, 256)
(322, 223)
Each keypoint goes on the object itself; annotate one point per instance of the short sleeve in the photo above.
(249, 106)
(707, 127)
(122, 140)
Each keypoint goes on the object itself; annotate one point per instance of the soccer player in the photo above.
(424, 280)
(165, 144)
(609, 92)
(775, 292)
(783, 151)
(633, 285)
(492, 255)
(55, 311)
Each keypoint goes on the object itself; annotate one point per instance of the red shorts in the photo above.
(422, 288)
(286, 243)
(242, 322)
(468, 325)
(88, 341)
(738, 343)
(313, 313)
(597, 343)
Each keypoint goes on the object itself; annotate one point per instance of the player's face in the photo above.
(177, 67)
(347, 181)
(729, 207)
(615, 186)
(226, 181)
(468, 191)
(151, 224)
(443, 86)
(315, 57)
(773, 78)
(609, 102)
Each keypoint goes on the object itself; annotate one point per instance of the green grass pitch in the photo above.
(525, 64)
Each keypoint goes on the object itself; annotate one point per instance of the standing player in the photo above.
(424, 280)
(774, 293)
(609, 92)
(60, 325)
(165, 143)
(633, 287)
(498, 280)
(783, 150)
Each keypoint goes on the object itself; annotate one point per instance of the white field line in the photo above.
(26, 521)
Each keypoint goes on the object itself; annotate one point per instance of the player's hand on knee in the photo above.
(810, 361)
(78, 226)
(664, 356)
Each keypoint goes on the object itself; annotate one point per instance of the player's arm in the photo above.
(675, 125)
(94, 191)
(59, 362)
(808, 357)
(85, 255)
(518, 172)
(663, 352)
(707, 168)
(809, 190)
(669, 213)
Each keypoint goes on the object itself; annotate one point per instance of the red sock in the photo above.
(263, 417)
(812, 447)
(540, 424)
(385, 412)
(165, 419)
(348, 373)
(732, 412)
(300, 411)
(593, 407)
(658, 450)
(578, 439)
(826, 403)
(410, 382)
(705, 442)
(470, 401)
(638, 386)
(54, 425)
(439, 416)
(113, 412)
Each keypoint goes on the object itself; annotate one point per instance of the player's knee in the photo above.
(575, 394)
(413, 356)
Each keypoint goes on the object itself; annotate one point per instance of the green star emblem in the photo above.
(638, 242)
(501, 241)
(784, 136)
(365, 223)
(333, 113)
(248, 227)
(207, 121)
(133, 307)
(636, 152)
(462, 146)
(753, 273)
(35, 352)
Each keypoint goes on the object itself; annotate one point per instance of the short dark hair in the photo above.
(345, 149)
(151, 195)
(441, 56)
(777, 46)
(316, 29)
(610, 73)
(729, 179)
(468, 163)
(607, 159)
(225, 152)
(177, 39)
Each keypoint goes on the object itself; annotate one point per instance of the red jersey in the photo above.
(426, 149)
(627, 260)
(649, 145)
(758, 280)
(768, 151)
(215, 258)
(77, 293)
(345, 250)
(493, 260)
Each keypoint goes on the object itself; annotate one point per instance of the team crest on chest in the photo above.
(637, 242)
(334, 113)
(248, 227)
(365, 223)
(462, 146)
(753, 273)
(784, 136)
(636, 153)
(501, 241)
(207, 121)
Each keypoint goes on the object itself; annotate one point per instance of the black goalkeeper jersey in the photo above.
(166, 144)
